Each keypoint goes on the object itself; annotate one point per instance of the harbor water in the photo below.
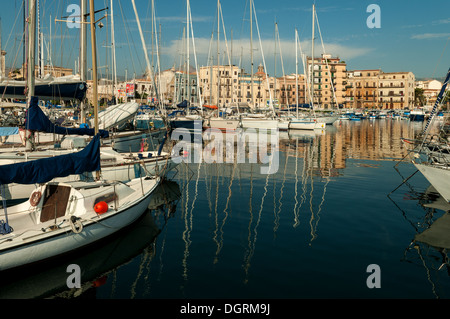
(334, 209)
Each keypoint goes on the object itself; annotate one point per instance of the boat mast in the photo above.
(312, 58)
(113, 49)
(218, 65)
(187, 58)
(39, 39)
(251, 48)
(83, 59)
(31, 49)
(1, 60)
(296, 70)
(144, 47)
(29, 135)
(275, 62)
(94, 64)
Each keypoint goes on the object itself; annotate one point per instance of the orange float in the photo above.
(101, 207)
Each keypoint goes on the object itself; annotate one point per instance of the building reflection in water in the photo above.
(366, 140)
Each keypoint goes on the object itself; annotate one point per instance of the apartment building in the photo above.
(329, 78)
(362, 89)
(431, 89)
(396, 90)
(220, 85)
(375, 89)
(287, 91)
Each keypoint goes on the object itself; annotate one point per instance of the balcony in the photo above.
(391, 86)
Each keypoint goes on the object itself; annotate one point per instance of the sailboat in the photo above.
(62, 88)
(115, 116)
(435, 167)
(300, 123)
(60, 217)
(223, 122)
(259, 120)
(192, 122)
(326, 119)
(115, 166)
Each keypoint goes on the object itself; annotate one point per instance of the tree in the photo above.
(419, 98)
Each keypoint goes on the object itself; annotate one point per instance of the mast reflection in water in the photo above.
(307, 231)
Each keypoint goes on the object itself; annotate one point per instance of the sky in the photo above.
(409, 35)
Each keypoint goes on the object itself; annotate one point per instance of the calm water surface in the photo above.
(308, 231)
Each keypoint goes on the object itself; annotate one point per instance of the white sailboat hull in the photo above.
(328, 120)
(283, 125)
(113, 169)
(259, 123)
(224, 124)
(438, 177)
(34, 245)
(306, 125)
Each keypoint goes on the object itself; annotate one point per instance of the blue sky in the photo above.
(414, 34)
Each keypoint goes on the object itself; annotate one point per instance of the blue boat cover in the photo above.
(175, 113)
(36, 120)
(46, 169)
(183, 104)
(52, 91)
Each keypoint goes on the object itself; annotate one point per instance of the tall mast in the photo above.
(39, 39)
(144, 47)
(218, 68)
(231, 68)
(251, 48)
(83, 59)
(29, 144)
(275, 63)
(1, 57)
(296, 71)
(187, 56)
(113, 49)
(31, 48)
(94, 63)
(312, 58)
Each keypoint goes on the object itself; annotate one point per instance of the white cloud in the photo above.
(424, 36)
(204, 48)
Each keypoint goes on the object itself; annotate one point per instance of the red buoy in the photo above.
(100, 281)
(101, 207)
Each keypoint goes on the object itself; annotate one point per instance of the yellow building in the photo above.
(287, 90)
(362, 89)
(330, 79)
(396, 90)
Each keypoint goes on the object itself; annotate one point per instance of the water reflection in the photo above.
(233, 224)
(431, 240)
(229, 195)
(134, 248)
